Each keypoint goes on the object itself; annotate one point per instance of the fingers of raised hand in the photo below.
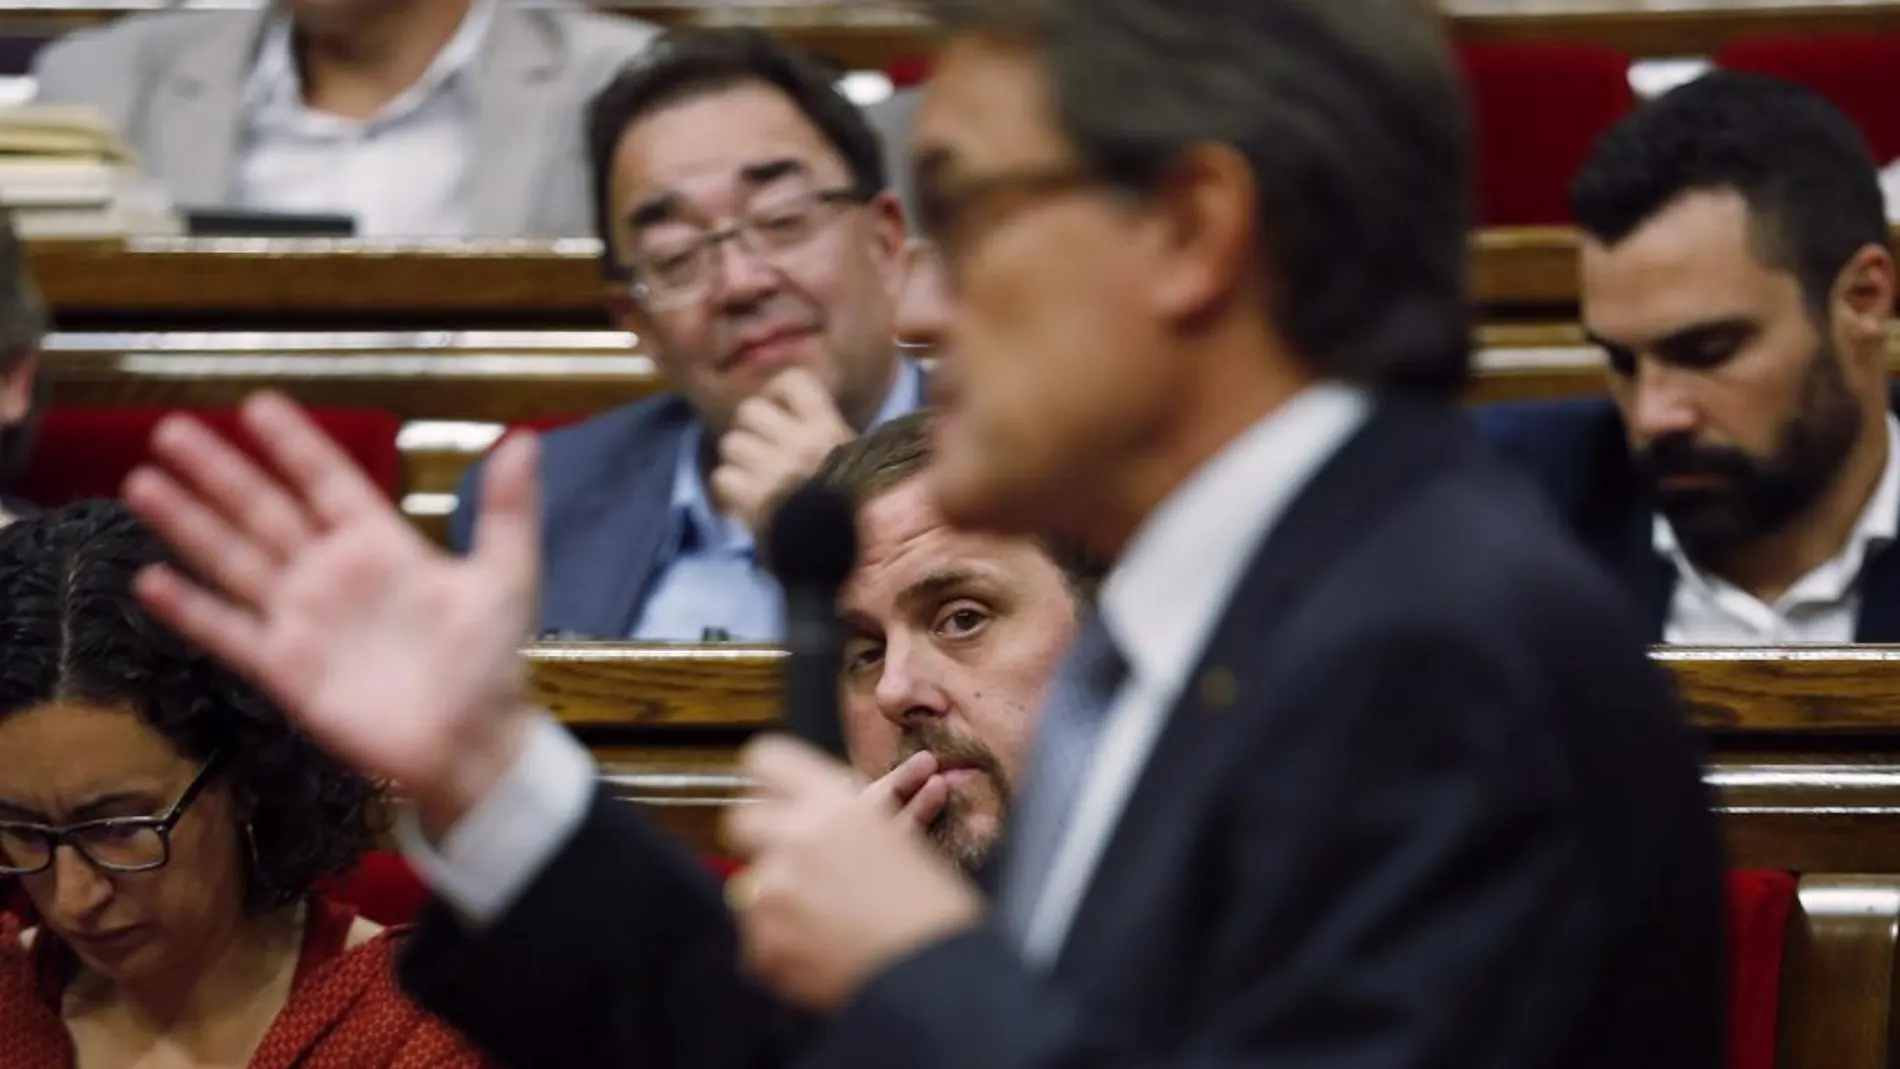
(508, 528)
(225, 481)
(244, 566)
(322, 474)
(217, 625)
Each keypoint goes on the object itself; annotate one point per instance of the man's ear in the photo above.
(623, 310)
(890, 236)
(1203, 246)
(16, 388)
(1862, 302)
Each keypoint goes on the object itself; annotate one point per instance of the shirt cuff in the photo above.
(498, 848)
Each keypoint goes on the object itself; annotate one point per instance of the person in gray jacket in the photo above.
(419, 118)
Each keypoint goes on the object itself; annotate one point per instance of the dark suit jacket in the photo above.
(606, 486)
(1450, 817)
(1578, 451)
(606, 491)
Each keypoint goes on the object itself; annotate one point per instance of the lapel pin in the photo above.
(1219, 689)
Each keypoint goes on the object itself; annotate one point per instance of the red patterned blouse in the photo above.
(345, 1010)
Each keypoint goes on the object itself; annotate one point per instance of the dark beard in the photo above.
(949, 830)
(1757, 496)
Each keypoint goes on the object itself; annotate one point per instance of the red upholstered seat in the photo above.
(1540, 108)
(1758, 907)
(908, 72)
(1860, 74)
(88, 452)
(382, 887)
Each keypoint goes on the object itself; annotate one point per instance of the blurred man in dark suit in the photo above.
(1743, 477)
(1360, 764)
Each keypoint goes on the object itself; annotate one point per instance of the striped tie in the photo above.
(1072, 717)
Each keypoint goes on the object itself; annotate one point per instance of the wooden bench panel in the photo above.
(482, 376)
(1793, 790)
(1837, 994)
(1764, 693)
(1807, 812)
(214, 283)
(208, 283)
(508, 377)
(458, 388)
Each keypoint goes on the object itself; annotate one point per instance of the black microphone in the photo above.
(812, 545)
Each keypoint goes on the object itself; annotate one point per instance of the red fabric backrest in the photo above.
(88, 452)
(1540, 108)
(1758, 906)
(908, 72)
(382, 887)
(1860, 74)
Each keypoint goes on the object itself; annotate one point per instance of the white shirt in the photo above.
(1160, 603)
(407, 171)
(1822, 606)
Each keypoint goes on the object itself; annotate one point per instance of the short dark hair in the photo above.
(1353, 119)
(22, 325)
(893, 453)
(688, 62)
(1811, 185)
(72, 630)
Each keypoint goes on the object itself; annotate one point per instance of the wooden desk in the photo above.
(270, 283)
(505, 377)
(1804, 744)
(870, 35)
(1519, 275)
(458, 388)
(305, 284)
(488, 376)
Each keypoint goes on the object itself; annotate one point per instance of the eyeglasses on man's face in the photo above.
(113, 844)
(673, 271)
(952, 214)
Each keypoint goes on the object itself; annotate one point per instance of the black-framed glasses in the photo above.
(114, 844)
(947, 212)
(682, 271)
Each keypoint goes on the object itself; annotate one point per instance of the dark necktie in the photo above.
(1072, 718)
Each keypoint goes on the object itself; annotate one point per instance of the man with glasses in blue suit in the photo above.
(750, 241)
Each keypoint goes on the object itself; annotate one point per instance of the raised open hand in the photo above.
(397, 657)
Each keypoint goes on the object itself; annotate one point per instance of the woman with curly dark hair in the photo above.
(170, 827)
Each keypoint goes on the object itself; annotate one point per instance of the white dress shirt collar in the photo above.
(1173, 581)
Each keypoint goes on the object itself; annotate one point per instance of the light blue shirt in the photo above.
(710, 585)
